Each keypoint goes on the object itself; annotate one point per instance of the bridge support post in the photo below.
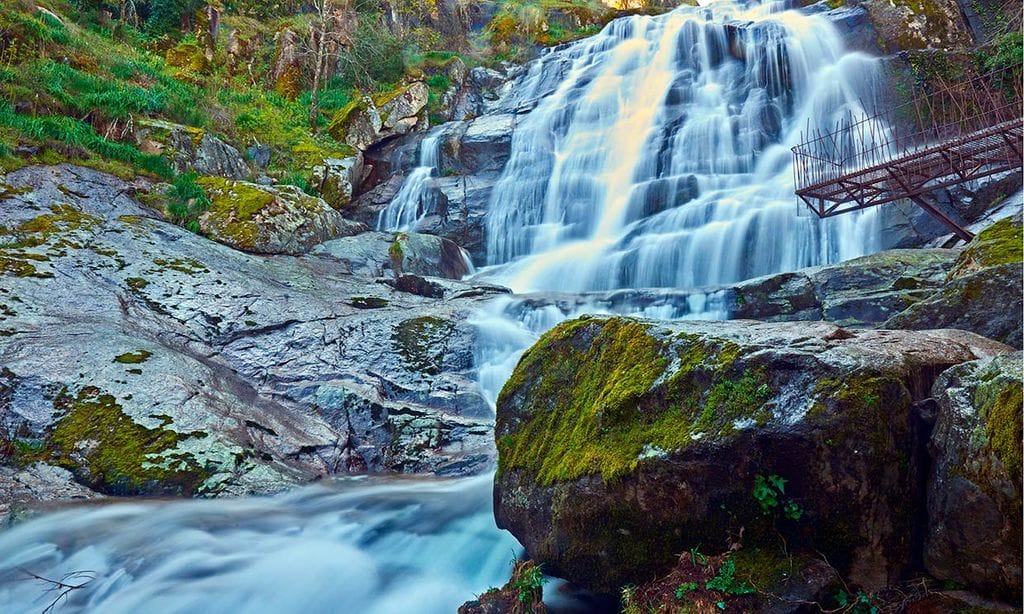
(957, 229)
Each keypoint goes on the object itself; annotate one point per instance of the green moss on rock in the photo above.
(109, 451)
(616, 402)
(133, 358)
(423, 342)
(1000, 243)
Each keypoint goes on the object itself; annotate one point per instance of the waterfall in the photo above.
(658, 159)
(416, 198)
(662, 158)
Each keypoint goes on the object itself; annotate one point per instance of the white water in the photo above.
(414, 200)
(400, 545)
(650, 165)
(662, 159)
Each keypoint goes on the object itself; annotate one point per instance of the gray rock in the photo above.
(486, 144)
(269, 219)
(420, 254)
(256, 372)
(191, 149)
(400, 113)
(337, 179)
(259, 155)
(376, 254)
(27, 489)
(974, 490)
(982, 292)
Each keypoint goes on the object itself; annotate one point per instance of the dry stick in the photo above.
(61, 587)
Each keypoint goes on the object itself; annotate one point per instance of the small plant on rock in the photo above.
(725, 581)
(770, 494)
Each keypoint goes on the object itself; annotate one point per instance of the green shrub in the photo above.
(1004, 58)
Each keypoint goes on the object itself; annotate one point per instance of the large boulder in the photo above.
(190, 149)
(862, 291)
(974, 491)
(624, 442)
(420, 254)
(358, 123)
(269, 219)
(374, 254)
(982, 292)
(337, 179)
(366, 121)
(400, 108)
(918, 24)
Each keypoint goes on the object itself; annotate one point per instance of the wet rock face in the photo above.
(974, 491)
(862, 291)
(143, 358)
(982, 291)
(623, 442)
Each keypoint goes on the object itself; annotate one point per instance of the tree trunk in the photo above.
(318, 69)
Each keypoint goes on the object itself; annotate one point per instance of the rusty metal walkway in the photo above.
(948, 135)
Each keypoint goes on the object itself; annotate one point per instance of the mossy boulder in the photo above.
(624, 442)
(982, 292)
(919, 24)
(337, 179)
(366, 121)
(269, 220)
(974, 492)
(358, 123)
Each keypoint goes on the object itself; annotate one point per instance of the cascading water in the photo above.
(415, 199)
(662, 159)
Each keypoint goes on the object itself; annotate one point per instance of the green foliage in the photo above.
(527, 582)
(684, 588)
(76, 133)
(725, 581)
(860, 603)
(1004, 57)
(769, 492)
(186, 201)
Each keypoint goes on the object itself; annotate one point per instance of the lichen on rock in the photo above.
(268, 220)
(110, 452)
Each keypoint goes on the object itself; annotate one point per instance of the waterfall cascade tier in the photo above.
(662, 158)
(416, 198)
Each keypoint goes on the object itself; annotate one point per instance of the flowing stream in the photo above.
(660, 160)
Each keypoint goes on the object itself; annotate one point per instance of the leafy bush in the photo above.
(1004, 58)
